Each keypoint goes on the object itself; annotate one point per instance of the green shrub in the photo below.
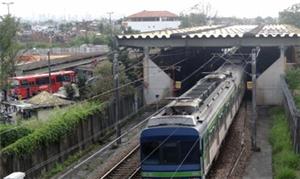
(285, 161)
(293, 78)
(11, 133)
(287, 158)
(280, 135)
(59, 125)
(285, 173)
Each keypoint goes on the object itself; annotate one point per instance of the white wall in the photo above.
(145, 26)
(156, 82)
(268, 84)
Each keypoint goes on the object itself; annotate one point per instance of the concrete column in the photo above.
(157, 84)
(268, 83)
(146, 67)
(282, 51)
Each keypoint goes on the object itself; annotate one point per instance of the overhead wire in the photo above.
(186, 156)
(109, 91)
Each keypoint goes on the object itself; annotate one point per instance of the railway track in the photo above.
(128, 167)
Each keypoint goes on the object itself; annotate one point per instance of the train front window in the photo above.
(190, 151)
(171, 152)
(150, 153)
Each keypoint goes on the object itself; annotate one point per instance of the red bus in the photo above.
(30, 85)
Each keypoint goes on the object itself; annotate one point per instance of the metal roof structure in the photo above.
(216, 36)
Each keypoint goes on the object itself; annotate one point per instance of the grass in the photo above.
(285, 162)
(59, 167)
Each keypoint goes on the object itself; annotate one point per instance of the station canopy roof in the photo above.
(216, 36)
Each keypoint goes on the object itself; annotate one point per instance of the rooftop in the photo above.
(152, 14)
(45, 99)
(214, 35)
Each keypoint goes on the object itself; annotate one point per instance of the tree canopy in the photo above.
(8, 48)
(290, 15)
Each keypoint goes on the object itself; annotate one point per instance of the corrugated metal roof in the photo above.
(221, 31)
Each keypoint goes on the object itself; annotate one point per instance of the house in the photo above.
(151, 20)
(39, 106)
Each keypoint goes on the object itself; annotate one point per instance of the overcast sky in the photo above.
(37, 9)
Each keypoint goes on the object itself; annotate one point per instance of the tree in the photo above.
(200, 14)
(70, 91)
(8, 49)
(290, 15)
(103, 81)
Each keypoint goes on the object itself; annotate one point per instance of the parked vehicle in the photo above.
(30, 85)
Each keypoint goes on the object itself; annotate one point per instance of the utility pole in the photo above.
(49, 65)
(49, 70)
(116, 81)
(117, 95)
(254, 54)
(110, 22)
(8, 4)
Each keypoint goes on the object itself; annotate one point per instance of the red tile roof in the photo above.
(152, 14)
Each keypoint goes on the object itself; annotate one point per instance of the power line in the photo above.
(186, 156)
(111, 143)
(194, 72)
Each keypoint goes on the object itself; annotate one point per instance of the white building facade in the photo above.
(151, 21)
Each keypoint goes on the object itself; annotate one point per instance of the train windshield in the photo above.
(171, 152)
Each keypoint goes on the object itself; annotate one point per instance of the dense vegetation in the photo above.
(10, 133)
(60, 124)
(285, 161)
(293, 80)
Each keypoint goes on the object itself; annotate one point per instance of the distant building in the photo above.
(152, 20)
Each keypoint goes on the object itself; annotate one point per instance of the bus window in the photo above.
(67, 78)
(42, 81)
(24, 83)
(63, 78)
(15, 83)
(59, 78)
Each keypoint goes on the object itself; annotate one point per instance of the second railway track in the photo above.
(128, 167)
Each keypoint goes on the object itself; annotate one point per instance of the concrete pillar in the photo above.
(146, 72)
(157, 84)
(268, 83)
(282, 51)
(146, 66)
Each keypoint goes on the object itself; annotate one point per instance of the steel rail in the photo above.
(115, 167)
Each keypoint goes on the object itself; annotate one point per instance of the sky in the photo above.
(90, 9)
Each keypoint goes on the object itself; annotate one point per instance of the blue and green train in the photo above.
(184, 139)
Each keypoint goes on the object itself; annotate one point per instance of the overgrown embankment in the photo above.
(60, 124)
(285, 162)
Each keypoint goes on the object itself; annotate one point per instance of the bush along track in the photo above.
(285, 162)
(59, 125)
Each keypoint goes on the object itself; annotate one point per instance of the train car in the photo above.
(183, 140)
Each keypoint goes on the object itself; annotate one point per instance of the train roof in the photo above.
(204, 96)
